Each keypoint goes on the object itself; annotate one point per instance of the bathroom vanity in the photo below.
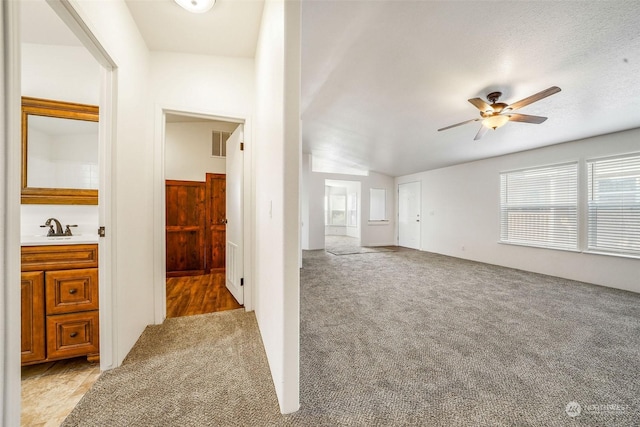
(59, 284)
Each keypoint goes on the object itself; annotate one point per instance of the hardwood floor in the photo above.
(191, 295)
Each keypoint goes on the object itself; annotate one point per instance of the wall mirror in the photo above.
(59, 152)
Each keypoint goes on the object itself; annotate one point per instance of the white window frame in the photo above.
(620, 219)
(377, 204)
(550, 220)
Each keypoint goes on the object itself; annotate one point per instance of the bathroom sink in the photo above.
(37, 240)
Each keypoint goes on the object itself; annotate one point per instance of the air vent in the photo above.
(219, 143)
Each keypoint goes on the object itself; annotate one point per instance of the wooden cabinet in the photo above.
(59, 303)
(32, 316)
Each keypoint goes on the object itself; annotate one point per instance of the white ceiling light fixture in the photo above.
(196, 6)
(495, 121)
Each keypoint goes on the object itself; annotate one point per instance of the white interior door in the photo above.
(409, 215)
(234, 270)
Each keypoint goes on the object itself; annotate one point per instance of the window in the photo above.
(378, 204)
(338, 213)
(335, 205)
(219, 143)
(539, 207)
(352, 210)
(614, 205)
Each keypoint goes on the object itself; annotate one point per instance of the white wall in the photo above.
(214, 85)
(277, 155)
(72, 74)
(371, 233)
(132, 184)
(188, 150)
(460, 206)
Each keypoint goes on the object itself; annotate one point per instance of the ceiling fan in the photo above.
(496, 114)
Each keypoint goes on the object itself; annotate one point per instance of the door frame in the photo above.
(419, 182)
(10, 321)
(159, 219)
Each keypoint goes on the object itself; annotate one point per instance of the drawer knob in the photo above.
(73, 291)
(73, 334)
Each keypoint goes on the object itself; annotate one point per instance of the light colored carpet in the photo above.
(345, 245)
(204, 370)
(414, 338)
(402, 338)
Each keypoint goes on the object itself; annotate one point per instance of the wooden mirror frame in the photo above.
(63, 110)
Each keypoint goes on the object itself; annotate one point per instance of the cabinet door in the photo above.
(70, 335)
(32, 317)
(69, 291)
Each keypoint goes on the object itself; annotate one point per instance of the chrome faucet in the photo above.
(58, 231)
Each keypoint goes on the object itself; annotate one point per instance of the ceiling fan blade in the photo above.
(533, 98)
(458, 124)
(481, 105)
(525, 118)
(481, 132)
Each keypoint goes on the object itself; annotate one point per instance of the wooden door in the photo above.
(216, 221)
(185, 226)
(32, 316)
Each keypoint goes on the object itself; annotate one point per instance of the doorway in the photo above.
(196, 215)
(342, 225)
(78, 70)
(409, 215)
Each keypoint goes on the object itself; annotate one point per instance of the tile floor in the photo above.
(51, 390)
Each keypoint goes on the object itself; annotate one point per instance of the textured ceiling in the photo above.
(380, 77)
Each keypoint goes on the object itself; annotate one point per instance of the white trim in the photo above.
(159, 220)
(107, 218)
(77, 22)
(159, 246)
(10, 176)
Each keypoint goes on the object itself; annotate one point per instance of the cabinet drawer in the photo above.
(69, 291)
(70, 335)
(60, 257)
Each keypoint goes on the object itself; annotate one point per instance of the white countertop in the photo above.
(41, 240)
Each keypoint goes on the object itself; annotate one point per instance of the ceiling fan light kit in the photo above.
(496, 114)
(495, 121)
(196, 6)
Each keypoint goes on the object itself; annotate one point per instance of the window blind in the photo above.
(614, 205)
(539, 207)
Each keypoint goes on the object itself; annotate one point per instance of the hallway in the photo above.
(190, 295)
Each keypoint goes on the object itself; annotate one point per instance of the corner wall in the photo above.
(461, 208)
(277, 154)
